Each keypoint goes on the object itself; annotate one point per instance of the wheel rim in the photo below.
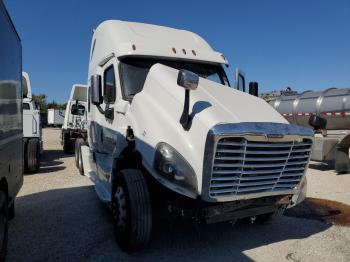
(120, 208)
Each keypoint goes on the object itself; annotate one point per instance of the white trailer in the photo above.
(75, 120)
(11, 133)
(55, 117)
(167, 133)
(32, 132)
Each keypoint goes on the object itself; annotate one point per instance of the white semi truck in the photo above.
(166, 132)
(11, 133)
(75, 120)
(32, 132)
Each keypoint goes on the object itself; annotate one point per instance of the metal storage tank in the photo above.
(333, 104)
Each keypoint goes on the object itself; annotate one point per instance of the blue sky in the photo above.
(299, 43)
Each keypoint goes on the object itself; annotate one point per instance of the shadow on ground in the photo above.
(327, 211)
(51, 161)
(322, 166)
(72, 224)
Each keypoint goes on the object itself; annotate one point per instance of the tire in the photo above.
(76, 151)
(3, 225)
(33, 155)
(78, 155)
(131, 210)
(67, 144)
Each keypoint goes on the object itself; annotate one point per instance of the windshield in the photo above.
(133, 72)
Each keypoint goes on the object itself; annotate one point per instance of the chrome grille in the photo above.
(243, 167)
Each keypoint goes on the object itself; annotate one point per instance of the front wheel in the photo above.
(131, 209)
(3, 225)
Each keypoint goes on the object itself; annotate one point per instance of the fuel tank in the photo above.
(332, 104)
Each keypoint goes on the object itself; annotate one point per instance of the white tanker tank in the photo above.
(332, 104)
(332, 142)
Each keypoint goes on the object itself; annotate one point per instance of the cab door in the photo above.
(105, 134)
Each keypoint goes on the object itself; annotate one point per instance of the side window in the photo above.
(109, 87)
(26, 106)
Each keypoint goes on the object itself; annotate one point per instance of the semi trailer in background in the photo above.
(328, 111)
(167, 133)
(55, 117)
(75, 120)
(11, 126)
(32, 132)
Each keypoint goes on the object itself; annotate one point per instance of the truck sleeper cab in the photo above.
(167, 132)
(75, 120)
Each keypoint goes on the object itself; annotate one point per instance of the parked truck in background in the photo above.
(11, 133)
(166, 132)
(75, 120)
(32, 132)
(328, 112)
(55, 117)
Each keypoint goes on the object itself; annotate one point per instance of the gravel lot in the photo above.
(59, 218)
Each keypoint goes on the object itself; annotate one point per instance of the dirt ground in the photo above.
(59, 218)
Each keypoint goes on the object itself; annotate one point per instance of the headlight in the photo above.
(174, 168)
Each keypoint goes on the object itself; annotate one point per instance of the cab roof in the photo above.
(119, 38)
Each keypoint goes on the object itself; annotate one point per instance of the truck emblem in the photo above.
(274, 136)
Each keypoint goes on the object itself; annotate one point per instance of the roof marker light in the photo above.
(174, 50)
(134, 47)
(184, 51)
(223, 57)
(194, 52)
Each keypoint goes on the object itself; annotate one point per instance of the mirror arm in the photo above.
(100, 109)
(185, 119)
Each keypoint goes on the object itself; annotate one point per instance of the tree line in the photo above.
(41, 100)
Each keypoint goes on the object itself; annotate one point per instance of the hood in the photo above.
(155, 113)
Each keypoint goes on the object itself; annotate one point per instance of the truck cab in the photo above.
(166, 131)
(75, 120)
(32, 132)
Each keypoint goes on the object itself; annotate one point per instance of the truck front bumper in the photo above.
(231, 211)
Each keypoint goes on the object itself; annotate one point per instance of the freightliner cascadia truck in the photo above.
(75, 119)
(166, 132)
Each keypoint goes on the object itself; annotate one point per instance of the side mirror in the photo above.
(96, 90)
(74, 110)
(254, 89)
(240, 80)
(317, 122)
(189, 81)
